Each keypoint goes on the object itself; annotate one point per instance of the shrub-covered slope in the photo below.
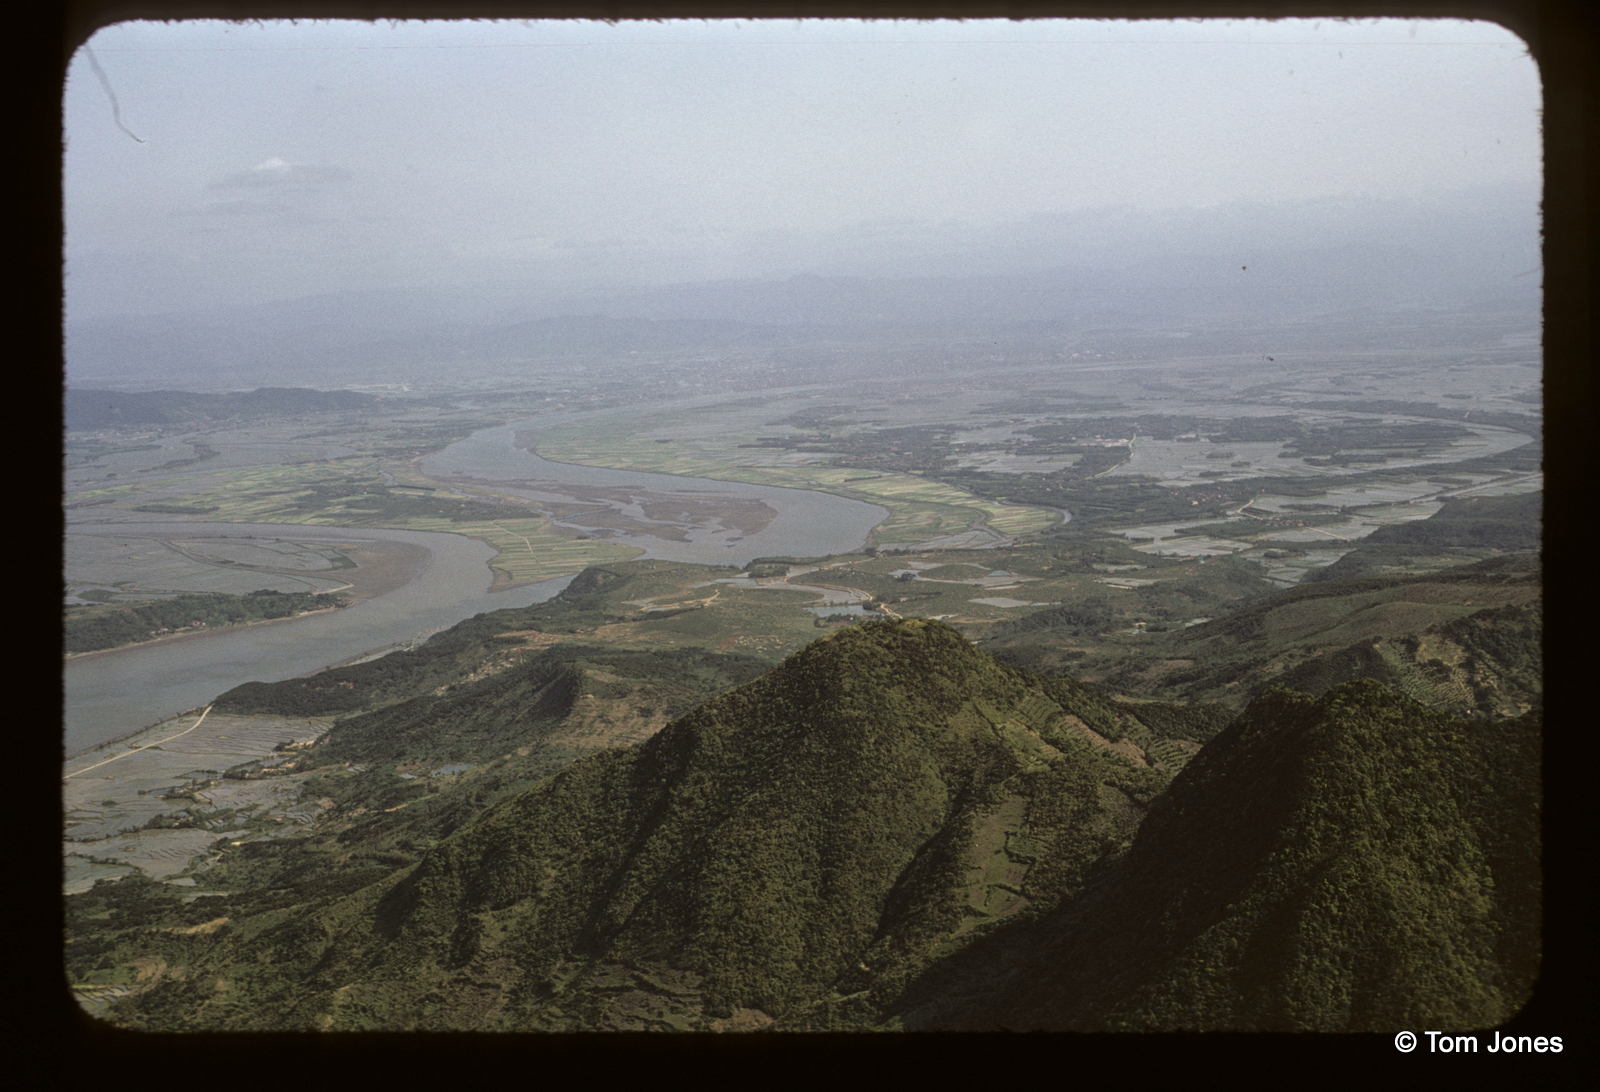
(890, 829)
(1354, 862)
(807, 840)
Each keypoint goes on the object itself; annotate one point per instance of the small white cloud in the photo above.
(280, 173)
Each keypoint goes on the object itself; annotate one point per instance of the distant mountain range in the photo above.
(1230, 265)
(94, 409)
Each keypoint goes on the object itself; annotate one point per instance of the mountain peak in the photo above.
(810, 835)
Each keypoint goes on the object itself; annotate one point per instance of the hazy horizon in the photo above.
(221, 165)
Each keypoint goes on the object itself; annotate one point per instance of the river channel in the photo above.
(112, 694)
(804, 523)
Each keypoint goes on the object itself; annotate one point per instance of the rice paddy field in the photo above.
(116, 797)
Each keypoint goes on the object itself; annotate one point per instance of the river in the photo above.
(805, 523)
(112, 694)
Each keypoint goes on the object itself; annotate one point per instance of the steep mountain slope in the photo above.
(891, 829)
(1355, 862)
(812, 838)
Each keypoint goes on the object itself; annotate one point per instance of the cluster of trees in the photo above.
(93, 628)
(1501, 523)
(1086, 618)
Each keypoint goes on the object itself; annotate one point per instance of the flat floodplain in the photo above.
(115, 796)
(715, 447)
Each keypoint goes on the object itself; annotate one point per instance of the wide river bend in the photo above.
(112, 694)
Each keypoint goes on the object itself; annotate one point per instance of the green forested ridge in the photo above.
(1354, 862)
(481, 718)
(815, 834)
(891, 829)
(446, 658)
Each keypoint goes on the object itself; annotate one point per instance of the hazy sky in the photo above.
(221, 163)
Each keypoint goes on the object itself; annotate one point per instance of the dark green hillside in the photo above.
(802, 844)
(891, 829)
(510, 723)
(1355, 862)
(500, 707)
(510, 728)
(524, 825)
(806, 835)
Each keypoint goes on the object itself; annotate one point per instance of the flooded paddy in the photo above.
(979, 538)
(1179, 463)
(111, 794)
(1340, 497)
(834, 610)
(1192, 546)
(1291, 570)
(131, 566)
(986, 578)
(1156, 532)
